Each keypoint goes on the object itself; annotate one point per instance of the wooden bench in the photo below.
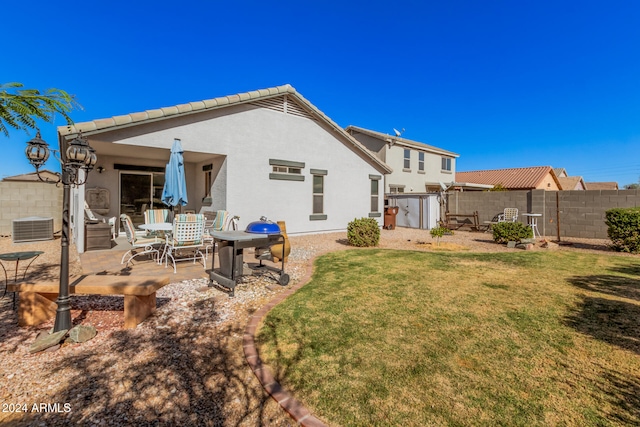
(37, 300)
(456, 221)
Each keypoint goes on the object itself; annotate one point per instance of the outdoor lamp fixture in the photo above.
(78, 155)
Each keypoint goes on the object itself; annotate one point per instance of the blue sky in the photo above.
(502, 83)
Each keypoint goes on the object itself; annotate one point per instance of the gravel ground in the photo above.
(182, 366)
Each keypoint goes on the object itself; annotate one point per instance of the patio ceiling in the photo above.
(151, 153)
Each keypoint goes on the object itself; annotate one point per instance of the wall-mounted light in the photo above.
(100, 169)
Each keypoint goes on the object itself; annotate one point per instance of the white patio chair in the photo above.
(188, 233)
(221, 222)
(509, 215)
(137, 241)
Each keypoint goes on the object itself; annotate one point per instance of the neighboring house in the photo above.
(572, 183)
(531, 178)
(569, 182)
(45, 176)
(268, 152)
(417, 167)
(602, 185)
(560, 172)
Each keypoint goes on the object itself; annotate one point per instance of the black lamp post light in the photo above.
(78, 155)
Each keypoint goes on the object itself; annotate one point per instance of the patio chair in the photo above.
(137, 241)
(94, 217)
(221, 222)
(156, 216)
(509, 215)
(188, 233)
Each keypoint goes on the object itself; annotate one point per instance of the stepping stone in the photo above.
(48, 341)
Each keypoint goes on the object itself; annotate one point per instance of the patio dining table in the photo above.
(17, 257)
(165, 227)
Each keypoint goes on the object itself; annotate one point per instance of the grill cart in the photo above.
(230, 245)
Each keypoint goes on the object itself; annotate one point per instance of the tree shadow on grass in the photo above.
(631, 270)
(618, 392)
(623, 393)
(191, 375)
(612, 321)
(620, 286)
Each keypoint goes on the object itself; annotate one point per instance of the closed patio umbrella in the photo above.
(175, 184)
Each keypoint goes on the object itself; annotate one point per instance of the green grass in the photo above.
(382, 337)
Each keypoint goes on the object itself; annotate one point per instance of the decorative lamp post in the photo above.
(79, 155)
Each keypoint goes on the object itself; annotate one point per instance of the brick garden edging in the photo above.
(290, 404)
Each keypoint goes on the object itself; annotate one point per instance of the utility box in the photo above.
(32, 228)
(97, 236)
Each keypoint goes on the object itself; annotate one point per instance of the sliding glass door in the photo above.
(140, 191)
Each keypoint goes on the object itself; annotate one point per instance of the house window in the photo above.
(407, 159)
(396, 189)
(286, 170)
(420, 162)
(375, 181)
(318, 195)
(207, 180)
(446, 164)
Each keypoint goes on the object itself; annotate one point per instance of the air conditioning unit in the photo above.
(32, 228)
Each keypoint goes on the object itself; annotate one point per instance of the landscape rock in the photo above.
(511, 244)
(47, 341)
(82, 333)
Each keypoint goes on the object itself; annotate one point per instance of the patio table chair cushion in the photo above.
(188, 232)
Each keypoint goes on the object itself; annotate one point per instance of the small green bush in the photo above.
(624, 229)
(363, 232)
(504, 232)
(438, 232)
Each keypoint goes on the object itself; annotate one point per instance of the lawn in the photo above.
(382, 337)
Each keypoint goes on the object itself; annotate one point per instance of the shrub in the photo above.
(438, 232)
(624, 229)
(504, 232)
(363, 232)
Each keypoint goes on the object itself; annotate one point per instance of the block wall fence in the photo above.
(25, 199)
(574, 213)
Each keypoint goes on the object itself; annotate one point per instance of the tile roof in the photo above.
(45, 175)
(602, 185)
(512, 178)
(560, 171)
(115, 122)
(571, 182)
(401, 141)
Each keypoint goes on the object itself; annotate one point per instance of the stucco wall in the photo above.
(414, 180)
(578, 213)
(24, 199)
(248, 137)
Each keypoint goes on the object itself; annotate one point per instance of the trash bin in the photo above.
(390, 213)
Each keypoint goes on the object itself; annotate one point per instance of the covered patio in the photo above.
(128, 184)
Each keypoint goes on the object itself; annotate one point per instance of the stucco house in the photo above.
(529, 178)
(268, 152)
(417, 167)
(569, 182)
(610, 185)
